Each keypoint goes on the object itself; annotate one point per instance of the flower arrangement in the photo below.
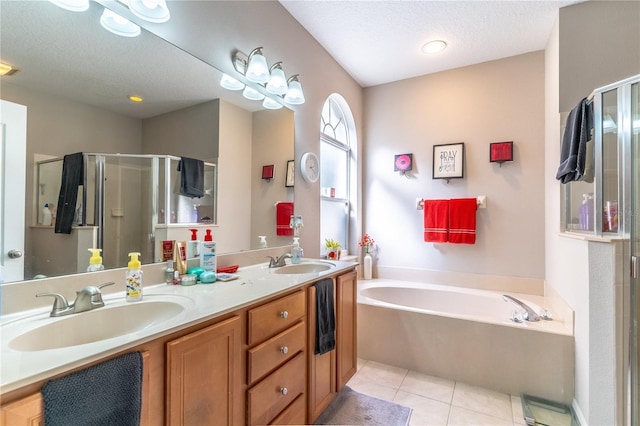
(333, 248)
(367, 242)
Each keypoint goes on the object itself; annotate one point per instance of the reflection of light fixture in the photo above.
(230, 83)
(6, 69)
(137, 99)
(273, 79)
(271, 104)
(278, 82)
(118, 25)
(253, 94)
(294, 93)
(72, 5)
(257, 68)
(435, 46)
(150, 10)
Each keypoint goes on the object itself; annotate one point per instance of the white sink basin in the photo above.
(99, 324)
(304, 268)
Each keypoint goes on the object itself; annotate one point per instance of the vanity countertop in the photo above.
(201, 302)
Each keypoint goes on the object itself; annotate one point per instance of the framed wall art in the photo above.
(448, 161)
(291, 169)
(267, 172)
(499, 152)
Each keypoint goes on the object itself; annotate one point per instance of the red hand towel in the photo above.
(284, 210)
(462, 220)
(436, 218)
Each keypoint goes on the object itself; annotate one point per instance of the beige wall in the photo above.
(495, 101)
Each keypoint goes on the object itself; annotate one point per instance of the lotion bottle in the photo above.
(208, 260)
(95, 261)
(193, 246)
(134, 279)
(46, 215)
(296, 251)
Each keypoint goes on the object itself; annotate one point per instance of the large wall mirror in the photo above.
(75, 78)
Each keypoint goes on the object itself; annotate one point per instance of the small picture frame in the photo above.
(448, 161)
(291, 168)
(402, 163)
(499, 152)
(267, 172)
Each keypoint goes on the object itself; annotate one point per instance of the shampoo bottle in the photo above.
(296, 251)
(95, 261)
(208, 260)
(134, 279)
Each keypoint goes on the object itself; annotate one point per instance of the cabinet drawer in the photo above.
(275, 351)
(273, 394)
(294, 414)
(273, 317)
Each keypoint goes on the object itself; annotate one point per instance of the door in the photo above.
(634, 340)
(13, 152)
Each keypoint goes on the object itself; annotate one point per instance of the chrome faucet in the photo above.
(87, 299)
(278, 262)
(529, 314)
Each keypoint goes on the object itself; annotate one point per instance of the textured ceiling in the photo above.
(379, 41)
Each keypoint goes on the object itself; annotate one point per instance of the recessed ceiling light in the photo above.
(435, 46)
(134, 98)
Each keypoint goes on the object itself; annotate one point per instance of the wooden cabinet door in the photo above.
(203, 376)
(322, 368)
(346, 328)
(23, 412)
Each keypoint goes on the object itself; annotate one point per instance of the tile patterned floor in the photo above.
(436, 401)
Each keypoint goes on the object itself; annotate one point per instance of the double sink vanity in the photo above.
(235, 352)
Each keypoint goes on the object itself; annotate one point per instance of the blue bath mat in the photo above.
(353, 408)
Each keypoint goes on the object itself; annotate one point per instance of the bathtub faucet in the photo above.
(529, 314)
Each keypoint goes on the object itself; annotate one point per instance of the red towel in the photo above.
(284, 210)
(436, 219)
(462, 220)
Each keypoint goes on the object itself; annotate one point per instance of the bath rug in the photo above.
(353, 408)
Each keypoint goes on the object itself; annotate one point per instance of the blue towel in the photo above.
(72, 177)
(191, 177)
(109, 393)
(325, 317)
(574, 142)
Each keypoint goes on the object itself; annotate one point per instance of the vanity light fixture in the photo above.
(257, 68)
(294, 94)
(230, 83)
(155, 11)
(6, 69)
(252, 94)
(136, 99)
(269, 103)
(278, 82)
(72, 5)
(118, 25)
(434, 46)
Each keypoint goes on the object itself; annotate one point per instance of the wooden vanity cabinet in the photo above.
(346, 327)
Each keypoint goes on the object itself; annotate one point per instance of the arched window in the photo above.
(337, 163)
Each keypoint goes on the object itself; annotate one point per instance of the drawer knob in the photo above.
(284, 391)
(284, 350)
(284, 314)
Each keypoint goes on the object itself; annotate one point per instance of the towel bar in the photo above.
(481, 200)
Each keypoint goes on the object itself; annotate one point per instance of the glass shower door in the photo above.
(634, 357)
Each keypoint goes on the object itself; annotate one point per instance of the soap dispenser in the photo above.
(95, 261)
(296, 251)
(134, 279)
(193, 246)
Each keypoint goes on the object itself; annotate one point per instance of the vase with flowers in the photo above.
(367, 261)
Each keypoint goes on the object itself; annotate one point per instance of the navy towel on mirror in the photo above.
(109, 393)
(325, 317)
(191, 177)
(72, 177)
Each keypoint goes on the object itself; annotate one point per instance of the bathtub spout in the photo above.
(529, 314)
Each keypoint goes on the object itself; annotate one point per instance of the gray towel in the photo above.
(325, 317)
(72, 177)
(191, 177)
(577, 133)
(109, 393)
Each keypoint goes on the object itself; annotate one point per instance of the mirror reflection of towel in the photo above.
(72, 177)
(191, 177)
(577, 133)
(284, 210)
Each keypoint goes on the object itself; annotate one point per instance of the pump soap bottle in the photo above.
(134, 279)
(95, 261)
(296, 251)
(193, 246)
(208, 260)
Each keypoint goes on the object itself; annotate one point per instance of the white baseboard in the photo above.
(578, 412)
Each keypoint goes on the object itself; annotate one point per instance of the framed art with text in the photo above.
(448, 161)
(291, 169)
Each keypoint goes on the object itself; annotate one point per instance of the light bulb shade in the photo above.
(257, 68)
(294, 94)
(253, 94)
(72, 5)
(269, 103)
(118, 25)
(278, 82)
(155, 11)
(230, 83)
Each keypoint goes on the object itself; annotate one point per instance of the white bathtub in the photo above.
(465, 335)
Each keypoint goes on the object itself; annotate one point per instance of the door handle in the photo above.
(14, 254)
(634, 266)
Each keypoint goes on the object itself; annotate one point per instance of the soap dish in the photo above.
(188, 279)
